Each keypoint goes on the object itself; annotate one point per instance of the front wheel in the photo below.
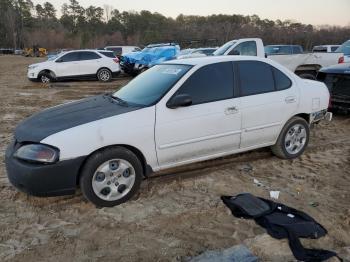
(293, 139)
(104, 75)
(111, 177)
(45, 78)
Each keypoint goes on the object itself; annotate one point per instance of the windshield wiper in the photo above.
(119, 100)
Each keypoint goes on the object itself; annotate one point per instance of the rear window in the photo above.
(282, 81)
(108, 54)
(88, 56)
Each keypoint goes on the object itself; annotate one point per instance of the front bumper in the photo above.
(32, 75)
(42, 179)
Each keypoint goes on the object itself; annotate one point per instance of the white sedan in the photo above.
(175, 113)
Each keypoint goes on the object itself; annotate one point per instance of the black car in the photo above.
(337, 79)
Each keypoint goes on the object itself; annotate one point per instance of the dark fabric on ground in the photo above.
(281, 221)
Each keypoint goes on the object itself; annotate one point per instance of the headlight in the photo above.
(37, 153)
(32, 67)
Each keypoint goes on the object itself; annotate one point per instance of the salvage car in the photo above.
(122, 50)
(305, 65)
(337, 79)
(77, 64)
(138, 62)
(198, 52)
(175, 113)
(325, 48)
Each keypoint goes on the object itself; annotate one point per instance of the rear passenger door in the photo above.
(89, 63)
(268, 100)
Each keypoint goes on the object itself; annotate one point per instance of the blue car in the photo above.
(137, 62)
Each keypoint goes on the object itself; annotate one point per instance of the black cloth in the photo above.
(281, 221)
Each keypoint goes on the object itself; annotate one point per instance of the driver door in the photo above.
(210, 127)
(68, 65)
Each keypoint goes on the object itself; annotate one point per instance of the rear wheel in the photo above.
(111, 177)
(293, 139)
(104, 75)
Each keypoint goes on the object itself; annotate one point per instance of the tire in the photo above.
(45, 78)
(307, 75)
(104, 179)
(291, 144)
(104, 75)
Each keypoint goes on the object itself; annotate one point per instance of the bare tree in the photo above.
(108, 12)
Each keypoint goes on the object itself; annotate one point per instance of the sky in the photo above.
(315, 12)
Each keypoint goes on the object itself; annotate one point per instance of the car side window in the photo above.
(282, 82)
(297, 50)
(245, 48)
(210, 83)
(88, 56)
(255, 78)
(333, 48)
(70, 57)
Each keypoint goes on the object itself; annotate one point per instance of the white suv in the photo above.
(176, 113)
(78, 64)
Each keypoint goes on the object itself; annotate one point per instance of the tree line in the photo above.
(23, 24)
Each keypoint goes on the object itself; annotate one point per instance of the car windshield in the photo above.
(344, 48)
(150, 86)
(224, 48)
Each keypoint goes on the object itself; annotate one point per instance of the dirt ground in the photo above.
(177, 214)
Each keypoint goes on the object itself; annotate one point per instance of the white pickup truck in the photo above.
(305, 65)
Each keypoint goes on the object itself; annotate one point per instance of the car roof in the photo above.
(80, 50)
(130, 46)
(215, 59)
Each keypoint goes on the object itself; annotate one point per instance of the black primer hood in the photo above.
(62, 117)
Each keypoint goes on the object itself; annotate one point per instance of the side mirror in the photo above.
(179, 101)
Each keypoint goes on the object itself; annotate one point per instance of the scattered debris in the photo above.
(257, 182)
(314, 204)
(246, 168)
(238, 253)
(274, 194)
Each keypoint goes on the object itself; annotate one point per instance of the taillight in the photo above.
(341, 60)
(116, 60)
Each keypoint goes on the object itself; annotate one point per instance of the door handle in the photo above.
(290, 99)
(231, 110)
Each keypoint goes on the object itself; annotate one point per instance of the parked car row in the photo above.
(133, 60)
